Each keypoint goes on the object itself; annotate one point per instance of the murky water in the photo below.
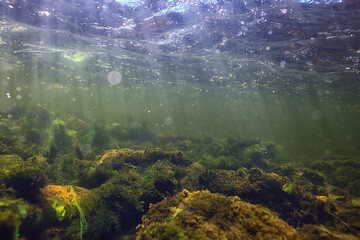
(90, 76)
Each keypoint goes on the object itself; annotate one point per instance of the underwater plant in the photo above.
(204, 215)
(64, 201)
(83, 222)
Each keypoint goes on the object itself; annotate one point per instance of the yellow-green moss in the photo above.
(203, 215)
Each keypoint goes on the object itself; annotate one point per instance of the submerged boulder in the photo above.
(204, 215)
(118, 158)
(23, 178)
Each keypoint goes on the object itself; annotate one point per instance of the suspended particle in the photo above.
(168, 121)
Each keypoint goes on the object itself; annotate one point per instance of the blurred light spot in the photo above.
(8, 95)
(168, 121)
(284, 11)
(44, 13)
(270, 32)
(9, 115)
(114, 77)
(217, 50)
(267, 48)
(18, 89)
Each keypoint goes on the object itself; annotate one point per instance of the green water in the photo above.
(111, 111)
(305, 121)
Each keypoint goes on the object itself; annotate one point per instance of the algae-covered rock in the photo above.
(253, 184)
(38, 117)
(314, 232)
(119, 205)
(118, 158)
(269, 189)
(62, 137)
(203, 215)
(191, 180)
(338, 170)
(3, 148)
(26, 180)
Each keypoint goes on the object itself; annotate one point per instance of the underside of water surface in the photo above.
(116, 116)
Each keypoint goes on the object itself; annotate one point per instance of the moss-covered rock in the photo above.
(322, 233)
(118, 158)
(62, 139)
(3, 148)
(294, 204)
(121, 203)
(24, 179)
(203, 215)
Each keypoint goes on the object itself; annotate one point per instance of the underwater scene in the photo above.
(179, 119)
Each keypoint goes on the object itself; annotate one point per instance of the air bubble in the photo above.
(114, 77)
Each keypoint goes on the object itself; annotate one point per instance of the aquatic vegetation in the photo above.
(24, 179)
(191, 180)
(65, 169)
(38, 117)
(321, 232)
(203, 215)
(339, 171)
(118, 158)
(16, 216)
(163, 176)
(124, 181)
(120, 203)
(289, 188)
(95, 176)
(3, 148)
(60, 209)
(12, 212)
(269, 189)
(100, 138)
(83, 223)
(62, 139)
(65, 202)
